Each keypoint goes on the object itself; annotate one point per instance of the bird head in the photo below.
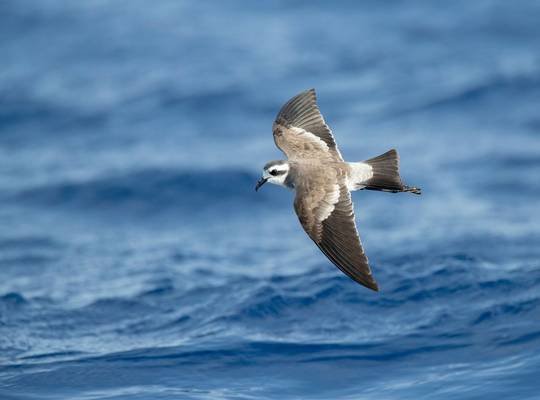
(274, 172)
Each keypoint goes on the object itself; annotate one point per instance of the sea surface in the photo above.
(137, 261)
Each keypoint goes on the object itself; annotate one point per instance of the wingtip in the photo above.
(413, 190)
(368, 282)
(307, 92)
(373, 286)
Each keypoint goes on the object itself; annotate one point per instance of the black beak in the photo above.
(260, 182)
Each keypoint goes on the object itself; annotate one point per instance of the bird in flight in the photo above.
(322, 180)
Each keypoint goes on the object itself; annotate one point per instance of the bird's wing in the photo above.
(300, 131)
(327, 215)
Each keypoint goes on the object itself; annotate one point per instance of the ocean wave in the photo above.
(26, 243)
(477, 93)
(152, 190)
(23, 110)
(314, 318)
(321, 299)
(12, 300)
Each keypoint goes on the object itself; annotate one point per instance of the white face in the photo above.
(276, 174)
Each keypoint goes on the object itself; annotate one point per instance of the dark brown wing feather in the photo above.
(337, 237)
(300, 131)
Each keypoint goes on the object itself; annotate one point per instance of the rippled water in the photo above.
(136, 260)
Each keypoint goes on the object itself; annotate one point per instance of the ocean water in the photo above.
(137, 261)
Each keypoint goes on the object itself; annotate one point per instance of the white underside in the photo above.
(360, 173)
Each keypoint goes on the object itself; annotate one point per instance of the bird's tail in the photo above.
(385, 169)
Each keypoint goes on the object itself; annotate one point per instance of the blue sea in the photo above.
(137, 261)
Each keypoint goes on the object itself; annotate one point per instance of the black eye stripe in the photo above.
(276, 172)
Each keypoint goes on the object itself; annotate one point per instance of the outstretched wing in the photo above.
(300, 131)
(327, 216)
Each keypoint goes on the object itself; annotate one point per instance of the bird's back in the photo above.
(315, 172)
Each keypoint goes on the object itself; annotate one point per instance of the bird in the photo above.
(323, 181)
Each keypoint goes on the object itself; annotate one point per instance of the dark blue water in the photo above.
(137, 262)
